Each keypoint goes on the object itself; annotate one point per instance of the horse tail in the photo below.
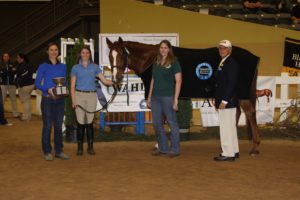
(249, 130)
(253, 95)
(251, 111)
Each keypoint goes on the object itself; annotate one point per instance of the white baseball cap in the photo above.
(225, 43)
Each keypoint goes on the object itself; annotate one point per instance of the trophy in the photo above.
(60, 89)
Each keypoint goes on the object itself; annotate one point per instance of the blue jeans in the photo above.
(163, 106)
(52, 113)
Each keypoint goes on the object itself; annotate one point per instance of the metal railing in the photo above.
(139, 119)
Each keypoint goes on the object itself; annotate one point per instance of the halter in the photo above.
(126, 58)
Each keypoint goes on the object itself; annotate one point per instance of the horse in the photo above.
(264, 92)
(139, 57)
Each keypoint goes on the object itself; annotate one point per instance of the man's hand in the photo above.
(222, 105)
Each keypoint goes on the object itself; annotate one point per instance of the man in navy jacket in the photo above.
(226, 102)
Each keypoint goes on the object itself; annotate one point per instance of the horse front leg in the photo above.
(252, 128)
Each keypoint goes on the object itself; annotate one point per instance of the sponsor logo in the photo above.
(204, 71)
(143, 104)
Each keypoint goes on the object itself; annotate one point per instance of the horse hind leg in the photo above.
(238, 115)
(252, 128)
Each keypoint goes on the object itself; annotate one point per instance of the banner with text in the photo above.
(265, 105)
(135, 89)
(291, 62)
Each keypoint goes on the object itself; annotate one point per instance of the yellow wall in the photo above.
(196, 30)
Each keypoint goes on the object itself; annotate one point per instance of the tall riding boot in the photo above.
(90, 139)
(80, 135)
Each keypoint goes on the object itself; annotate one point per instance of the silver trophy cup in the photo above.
(60, 89)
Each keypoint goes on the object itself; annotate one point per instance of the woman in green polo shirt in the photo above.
(163, 98)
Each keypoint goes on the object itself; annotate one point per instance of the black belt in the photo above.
(86, 91)
(52, 97)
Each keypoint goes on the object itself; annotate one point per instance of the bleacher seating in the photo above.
(269, 8)
(235, 8)
(296, 27)
(236, 16)
(283, 18)
(268, 19)
(252, 18)
(287, 26)
(219, 10)
(234, 1)
(271, 14)
(190, 7)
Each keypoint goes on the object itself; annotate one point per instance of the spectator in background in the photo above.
(3, 121)
(295, 15)
(8, 72)
(283, 6)
(252, 6)
(25, 84)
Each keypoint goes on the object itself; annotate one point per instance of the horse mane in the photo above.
(141, 56)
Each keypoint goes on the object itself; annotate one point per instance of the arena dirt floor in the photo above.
(126, 170)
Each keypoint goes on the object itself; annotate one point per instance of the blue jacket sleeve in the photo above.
(39, 79)
(65, 75)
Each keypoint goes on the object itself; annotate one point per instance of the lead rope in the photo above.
(127, 92)
(127, 81)
(106, 105)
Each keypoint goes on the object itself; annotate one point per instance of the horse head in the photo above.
(118, 58)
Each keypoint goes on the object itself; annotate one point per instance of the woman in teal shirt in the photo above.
(163, 98)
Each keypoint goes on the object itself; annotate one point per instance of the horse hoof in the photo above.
(254, 152)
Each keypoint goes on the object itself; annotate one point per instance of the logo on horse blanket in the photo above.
(204, 71)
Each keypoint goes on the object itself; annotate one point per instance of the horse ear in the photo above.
(120, 40)
(109, 43)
